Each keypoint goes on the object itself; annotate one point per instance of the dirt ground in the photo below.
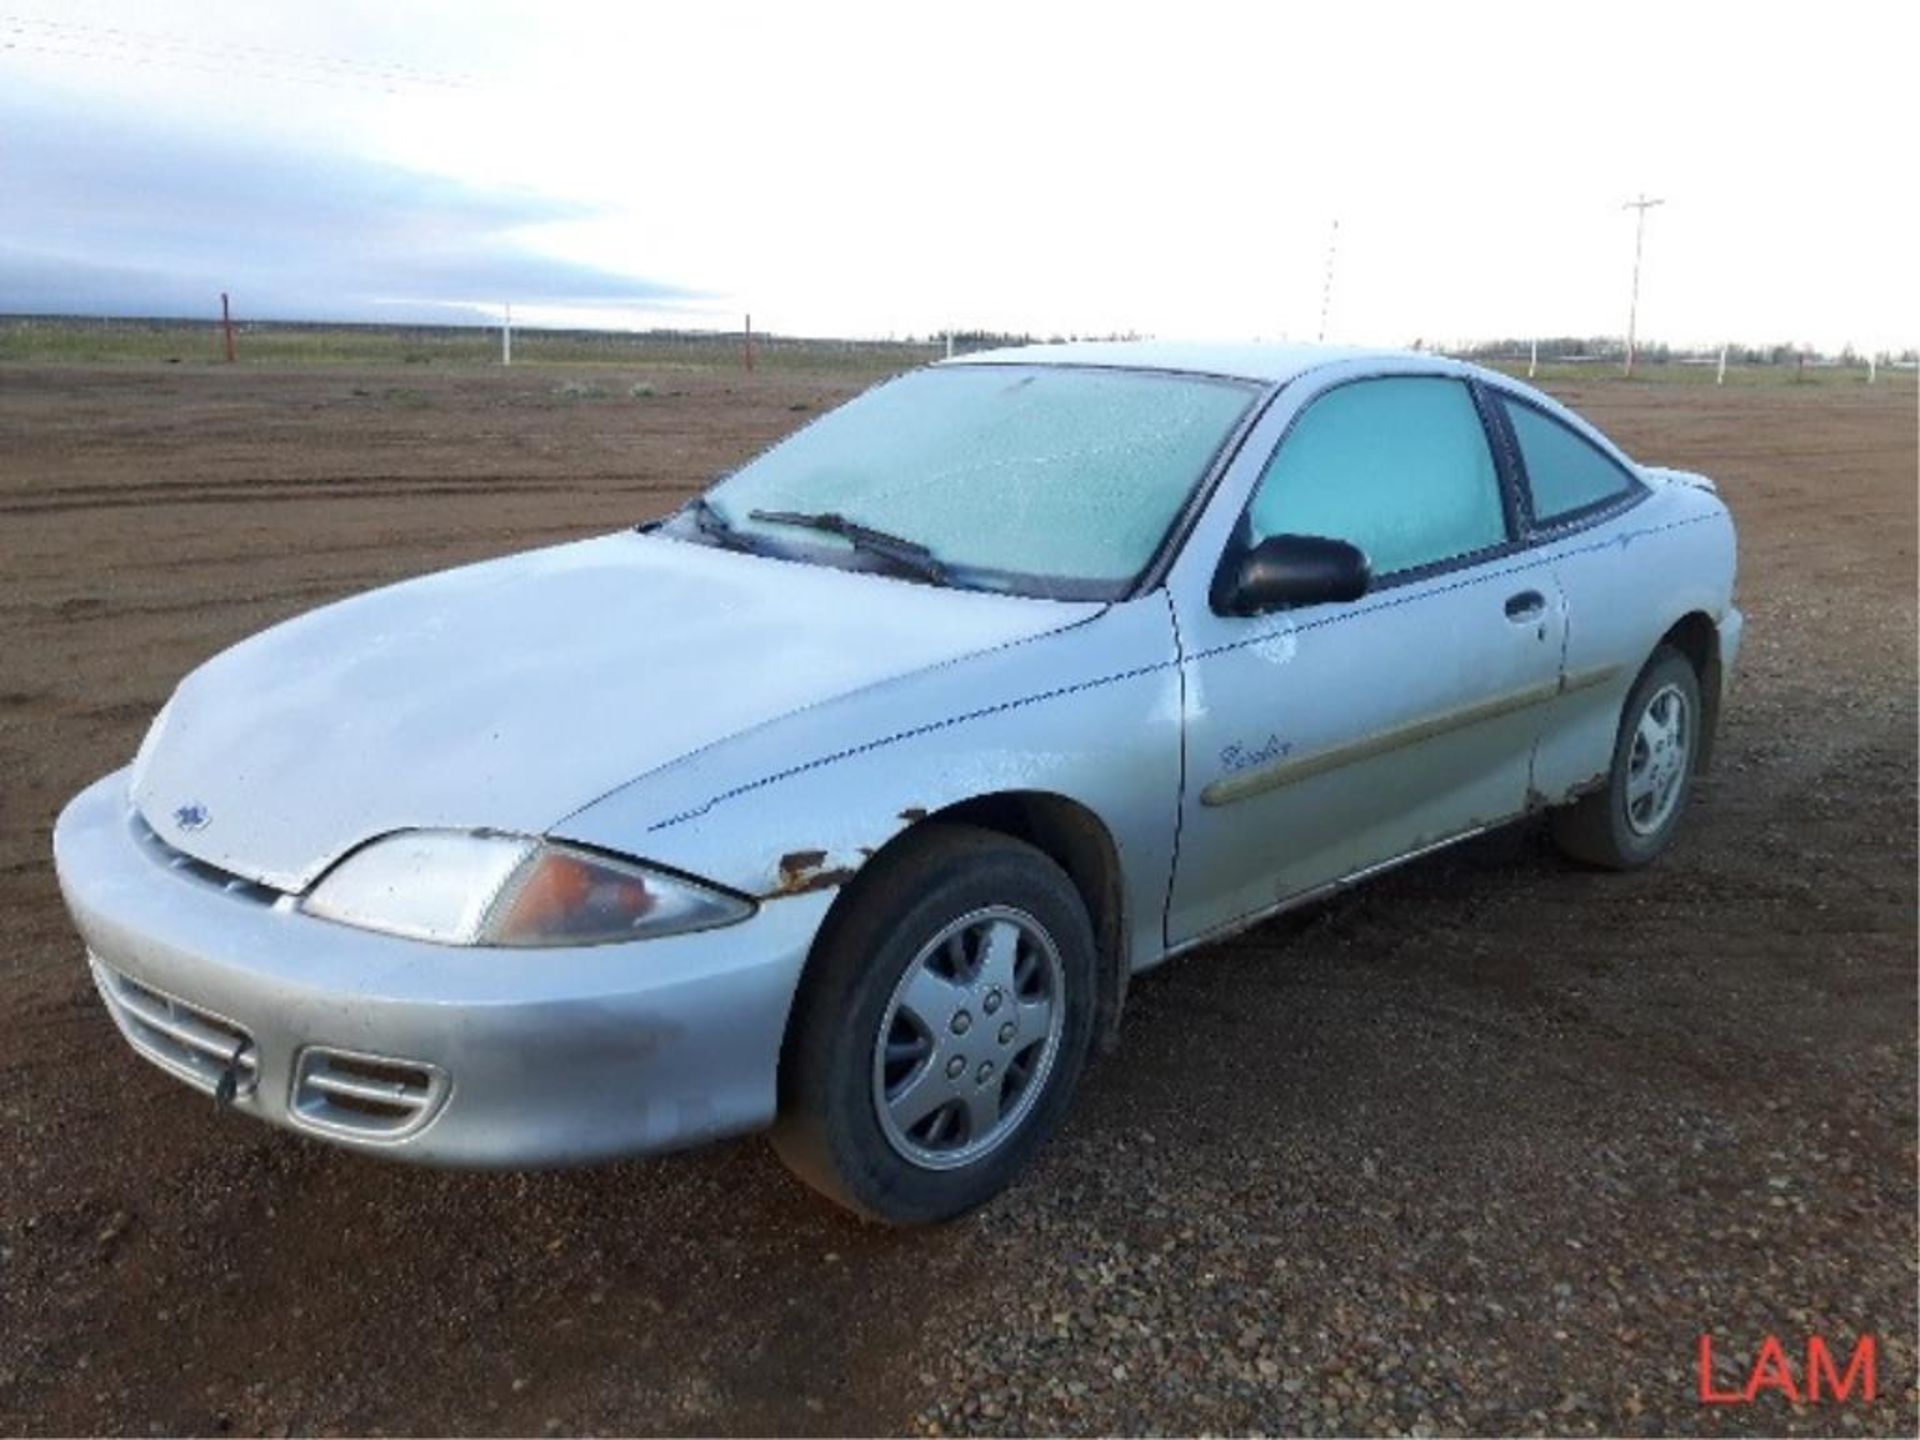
(1484, 1146)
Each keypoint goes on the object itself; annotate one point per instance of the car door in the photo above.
(1326, 740)
(1575, 498)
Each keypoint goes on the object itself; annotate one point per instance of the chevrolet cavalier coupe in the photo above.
(845, 800)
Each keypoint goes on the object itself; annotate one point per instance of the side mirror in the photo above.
(1290, 570)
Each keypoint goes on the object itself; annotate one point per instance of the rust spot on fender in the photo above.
(802, 871)
(1538, 799)
(914, 814)
(1587, 787)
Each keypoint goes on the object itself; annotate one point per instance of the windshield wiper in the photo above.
(904, 553)
(708, 520)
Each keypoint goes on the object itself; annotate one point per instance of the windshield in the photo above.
(1039, 479)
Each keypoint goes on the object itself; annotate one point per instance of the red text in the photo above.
(1819, 1379)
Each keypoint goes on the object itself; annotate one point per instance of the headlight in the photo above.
(457, 888)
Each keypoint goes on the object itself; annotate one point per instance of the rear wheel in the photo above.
(1633, 818)
(941, 1029)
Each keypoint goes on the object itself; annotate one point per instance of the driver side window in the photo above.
(1398, 466)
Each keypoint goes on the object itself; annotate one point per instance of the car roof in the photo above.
(1275, 364)
(1271, 364)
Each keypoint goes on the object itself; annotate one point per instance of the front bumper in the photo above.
(521, 1058)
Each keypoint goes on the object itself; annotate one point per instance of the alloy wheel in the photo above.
(968, 1038)
(1657, 762)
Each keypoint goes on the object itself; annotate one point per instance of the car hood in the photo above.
(509, 694)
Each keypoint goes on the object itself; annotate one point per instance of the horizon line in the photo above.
(1599, 346)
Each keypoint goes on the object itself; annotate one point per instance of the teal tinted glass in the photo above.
(1044, 479)
(1564, 471)
(1399, 467)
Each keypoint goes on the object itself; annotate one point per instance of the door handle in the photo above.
(1526, 607)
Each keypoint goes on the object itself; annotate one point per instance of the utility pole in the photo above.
(1643, 204)
(1326, 282)
(506, 335)
(746, 344)
(226, 324)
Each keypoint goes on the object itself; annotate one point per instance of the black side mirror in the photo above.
(1290, 570)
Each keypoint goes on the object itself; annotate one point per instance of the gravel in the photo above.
(1483, 1147)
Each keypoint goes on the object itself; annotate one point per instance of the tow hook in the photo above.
(227, 1089)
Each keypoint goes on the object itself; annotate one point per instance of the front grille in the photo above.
(210, 875)
(194, 1044)
(366, 1095)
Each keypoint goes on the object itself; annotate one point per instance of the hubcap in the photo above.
(948, 1092)
(1657, 761)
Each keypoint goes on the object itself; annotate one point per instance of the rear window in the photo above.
(1566, 472)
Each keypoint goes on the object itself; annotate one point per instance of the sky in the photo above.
(1372, 174)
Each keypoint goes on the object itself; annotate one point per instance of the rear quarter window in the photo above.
(1566, 472)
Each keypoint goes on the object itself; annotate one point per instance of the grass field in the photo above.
(72, 341)
(62, 341)
(1548, 376)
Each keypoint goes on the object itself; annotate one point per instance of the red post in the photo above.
(226, 324)
(746, 348)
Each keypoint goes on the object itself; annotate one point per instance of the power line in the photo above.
(227, 70)
(73, 40)
(1643, 204)
(113, 36)
(134, 61)
(1326, 278)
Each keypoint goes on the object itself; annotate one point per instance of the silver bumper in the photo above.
(424, 1052)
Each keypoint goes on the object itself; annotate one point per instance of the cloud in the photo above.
(105, 213)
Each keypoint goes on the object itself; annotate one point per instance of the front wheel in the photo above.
(941, 1029)
(1633, 818)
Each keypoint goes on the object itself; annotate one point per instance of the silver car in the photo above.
(846, 800)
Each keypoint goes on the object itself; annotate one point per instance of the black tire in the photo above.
(830, 1132)
(1599, 829)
